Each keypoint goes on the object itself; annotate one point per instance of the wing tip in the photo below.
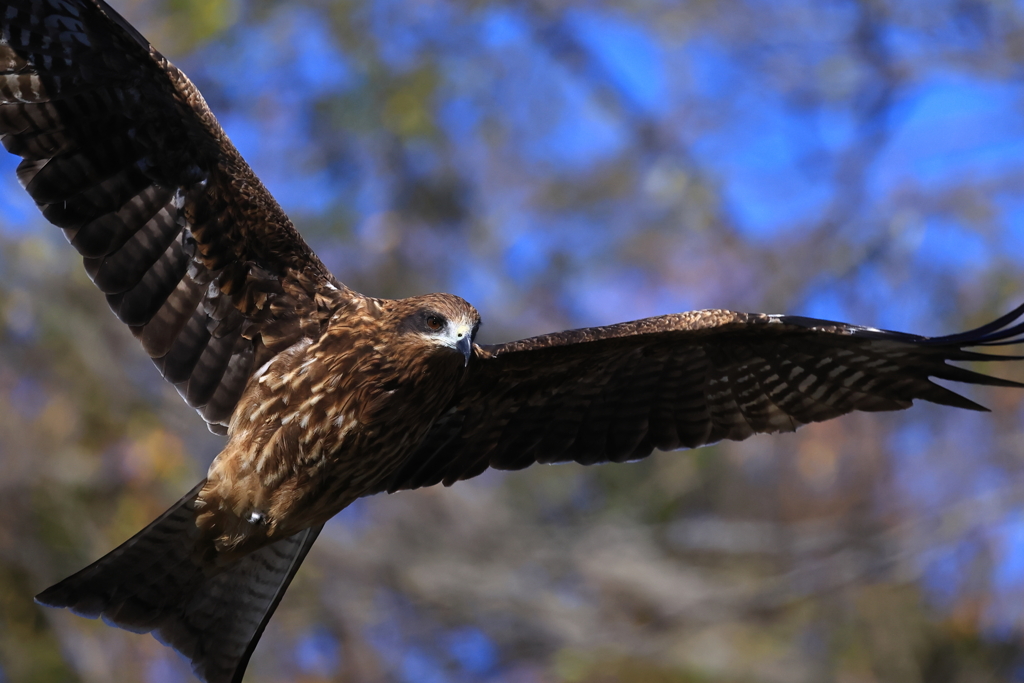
(1006, 330)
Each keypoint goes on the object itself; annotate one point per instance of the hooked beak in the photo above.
(464, 345)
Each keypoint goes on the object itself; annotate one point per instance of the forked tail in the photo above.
(155, 581)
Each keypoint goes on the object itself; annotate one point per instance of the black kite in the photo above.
(327, 395)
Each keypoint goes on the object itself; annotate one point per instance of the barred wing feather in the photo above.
(612, 394)
(120, 151)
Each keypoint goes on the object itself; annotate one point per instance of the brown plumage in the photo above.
(327, 395)
(372, 383)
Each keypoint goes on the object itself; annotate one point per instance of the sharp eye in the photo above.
(435, 323)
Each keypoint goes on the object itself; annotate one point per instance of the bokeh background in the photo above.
(563, 164)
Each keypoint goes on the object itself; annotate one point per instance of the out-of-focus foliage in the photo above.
(563, 164)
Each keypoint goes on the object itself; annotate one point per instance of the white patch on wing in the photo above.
(263, 369)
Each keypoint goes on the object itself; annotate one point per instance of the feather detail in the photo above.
(161, 581)
(616, 393)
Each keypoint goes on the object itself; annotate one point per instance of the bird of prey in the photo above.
(326, 395)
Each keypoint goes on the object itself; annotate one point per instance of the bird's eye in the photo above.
(435, 323)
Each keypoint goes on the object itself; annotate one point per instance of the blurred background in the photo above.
(563, 164)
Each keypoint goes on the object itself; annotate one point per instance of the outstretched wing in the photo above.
(681, 381)
(120, 151)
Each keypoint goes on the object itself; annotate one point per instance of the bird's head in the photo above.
(443, 321)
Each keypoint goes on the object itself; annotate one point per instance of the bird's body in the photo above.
(327, 420)
(327, 395)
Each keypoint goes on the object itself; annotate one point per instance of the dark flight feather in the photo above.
(617, 393)
(121, 152)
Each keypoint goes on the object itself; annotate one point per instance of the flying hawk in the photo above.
(327, 395)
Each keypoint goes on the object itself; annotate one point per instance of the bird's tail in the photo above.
(157, 582)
